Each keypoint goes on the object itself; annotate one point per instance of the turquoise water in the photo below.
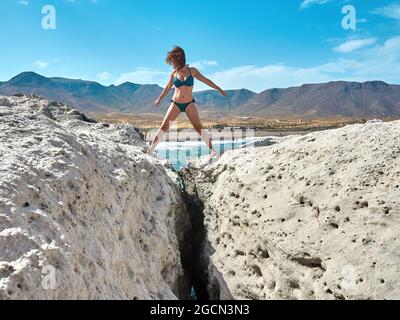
(178, 152)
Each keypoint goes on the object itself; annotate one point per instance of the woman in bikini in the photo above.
(183, 79)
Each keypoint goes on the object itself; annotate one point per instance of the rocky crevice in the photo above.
(192, 256)
(81, 197)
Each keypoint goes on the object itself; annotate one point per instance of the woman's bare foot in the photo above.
(215, 154)
(149, 151)
(146, 150)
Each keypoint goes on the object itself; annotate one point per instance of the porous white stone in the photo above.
(313, 217)
(81, 200)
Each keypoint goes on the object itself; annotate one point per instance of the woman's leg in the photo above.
(193, 115)
(172, 114)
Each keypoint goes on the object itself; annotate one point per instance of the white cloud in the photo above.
(354, 44)
(261, 78)
(23, 2)
(41, 64)
(380, 62)
(203, 64)
(391, 11)
(104, 76)
(144, 76)
(307, 3)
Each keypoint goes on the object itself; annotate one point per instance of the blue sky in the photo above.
(239, 44)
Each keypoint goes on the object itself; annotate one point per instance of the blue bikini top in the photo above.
(189, 82)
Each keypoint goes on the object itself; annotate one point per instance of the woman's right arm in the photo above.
(167, 89)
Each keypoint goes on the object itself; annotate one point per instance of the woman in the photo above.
(183, 79)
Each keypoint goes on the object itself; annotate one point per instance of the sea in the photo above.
(178, 153)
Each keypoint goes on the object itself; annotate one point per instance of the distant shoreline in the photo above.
(261, 125)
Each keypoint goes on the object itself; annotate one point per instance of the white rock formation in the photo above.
(80, 199)
(313, 217)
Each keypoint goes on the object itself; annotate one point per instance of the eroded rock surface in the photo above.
(80, 198)
(313, 217)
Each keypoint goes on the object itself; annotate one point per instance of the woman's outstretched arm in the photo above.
(167, 89)
(196, 73)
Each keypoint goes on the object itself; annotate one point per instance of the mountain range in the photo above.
(333, 99)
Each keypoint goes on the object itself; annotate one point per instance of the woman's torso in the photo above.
(183, 85)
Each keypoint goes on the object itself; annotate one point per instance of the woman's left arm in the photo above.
(196, 73)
